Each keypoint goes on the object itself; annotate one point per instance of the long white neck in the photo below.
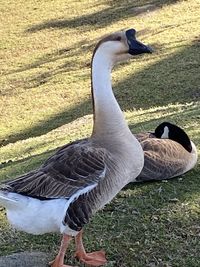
(110, 127)
(108, 117)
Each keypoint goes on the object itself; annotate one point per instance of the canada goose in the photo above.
(81, 177)
(168, 152)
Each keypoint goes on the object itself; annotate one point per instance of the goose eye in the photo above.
(118, 38)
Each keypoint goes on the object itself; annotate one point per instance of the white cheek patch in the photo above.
(165, 133)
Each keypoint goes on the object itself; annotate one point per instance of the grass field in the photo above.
(45, 51)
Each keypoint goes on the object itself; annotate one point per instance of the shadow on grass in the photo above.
(83, 46)
(53, 122)
(15, 168)
(172, 80)
(53, 57)
(139, 213)
(116, 11)
(181, 117)
(185, 116)
(35, 159)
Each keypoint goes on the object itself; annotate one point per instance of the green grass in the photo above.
(45, 51)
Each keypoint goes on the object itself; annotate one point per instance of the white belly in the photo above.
(37, 217)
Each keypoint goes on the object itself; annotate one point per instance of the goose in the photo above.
(83, 176)
(168, 152)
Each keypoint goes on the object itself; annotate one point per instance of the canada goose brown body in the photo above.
(81, 177)
(166, 156)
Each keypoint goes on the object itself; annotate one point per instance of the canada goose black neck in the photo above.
(173, 132)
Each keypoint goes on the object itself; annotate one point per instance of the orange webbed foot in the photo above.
(96, 258)
(59, 260)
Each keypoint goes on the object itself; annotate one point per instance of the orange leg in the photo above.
(96, 258)
(59, 260)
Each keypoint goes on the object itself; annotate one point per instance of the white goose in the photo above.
(168, 152)
(81, 177)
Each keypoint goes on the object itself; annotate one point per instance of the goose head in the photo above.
(167, 130)
(120, 46)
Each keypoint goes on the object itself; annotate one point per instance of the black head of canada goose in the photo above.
(81, 177)
(168, 152)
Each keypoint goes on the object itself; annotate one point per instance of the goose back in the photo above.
(166, 158)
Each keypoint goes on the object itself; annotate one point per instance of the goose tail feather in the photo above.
(11, 200)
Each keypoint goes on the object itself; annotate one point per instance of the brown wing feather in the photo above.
(142, 136)
(72, 168)
(163, 159)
